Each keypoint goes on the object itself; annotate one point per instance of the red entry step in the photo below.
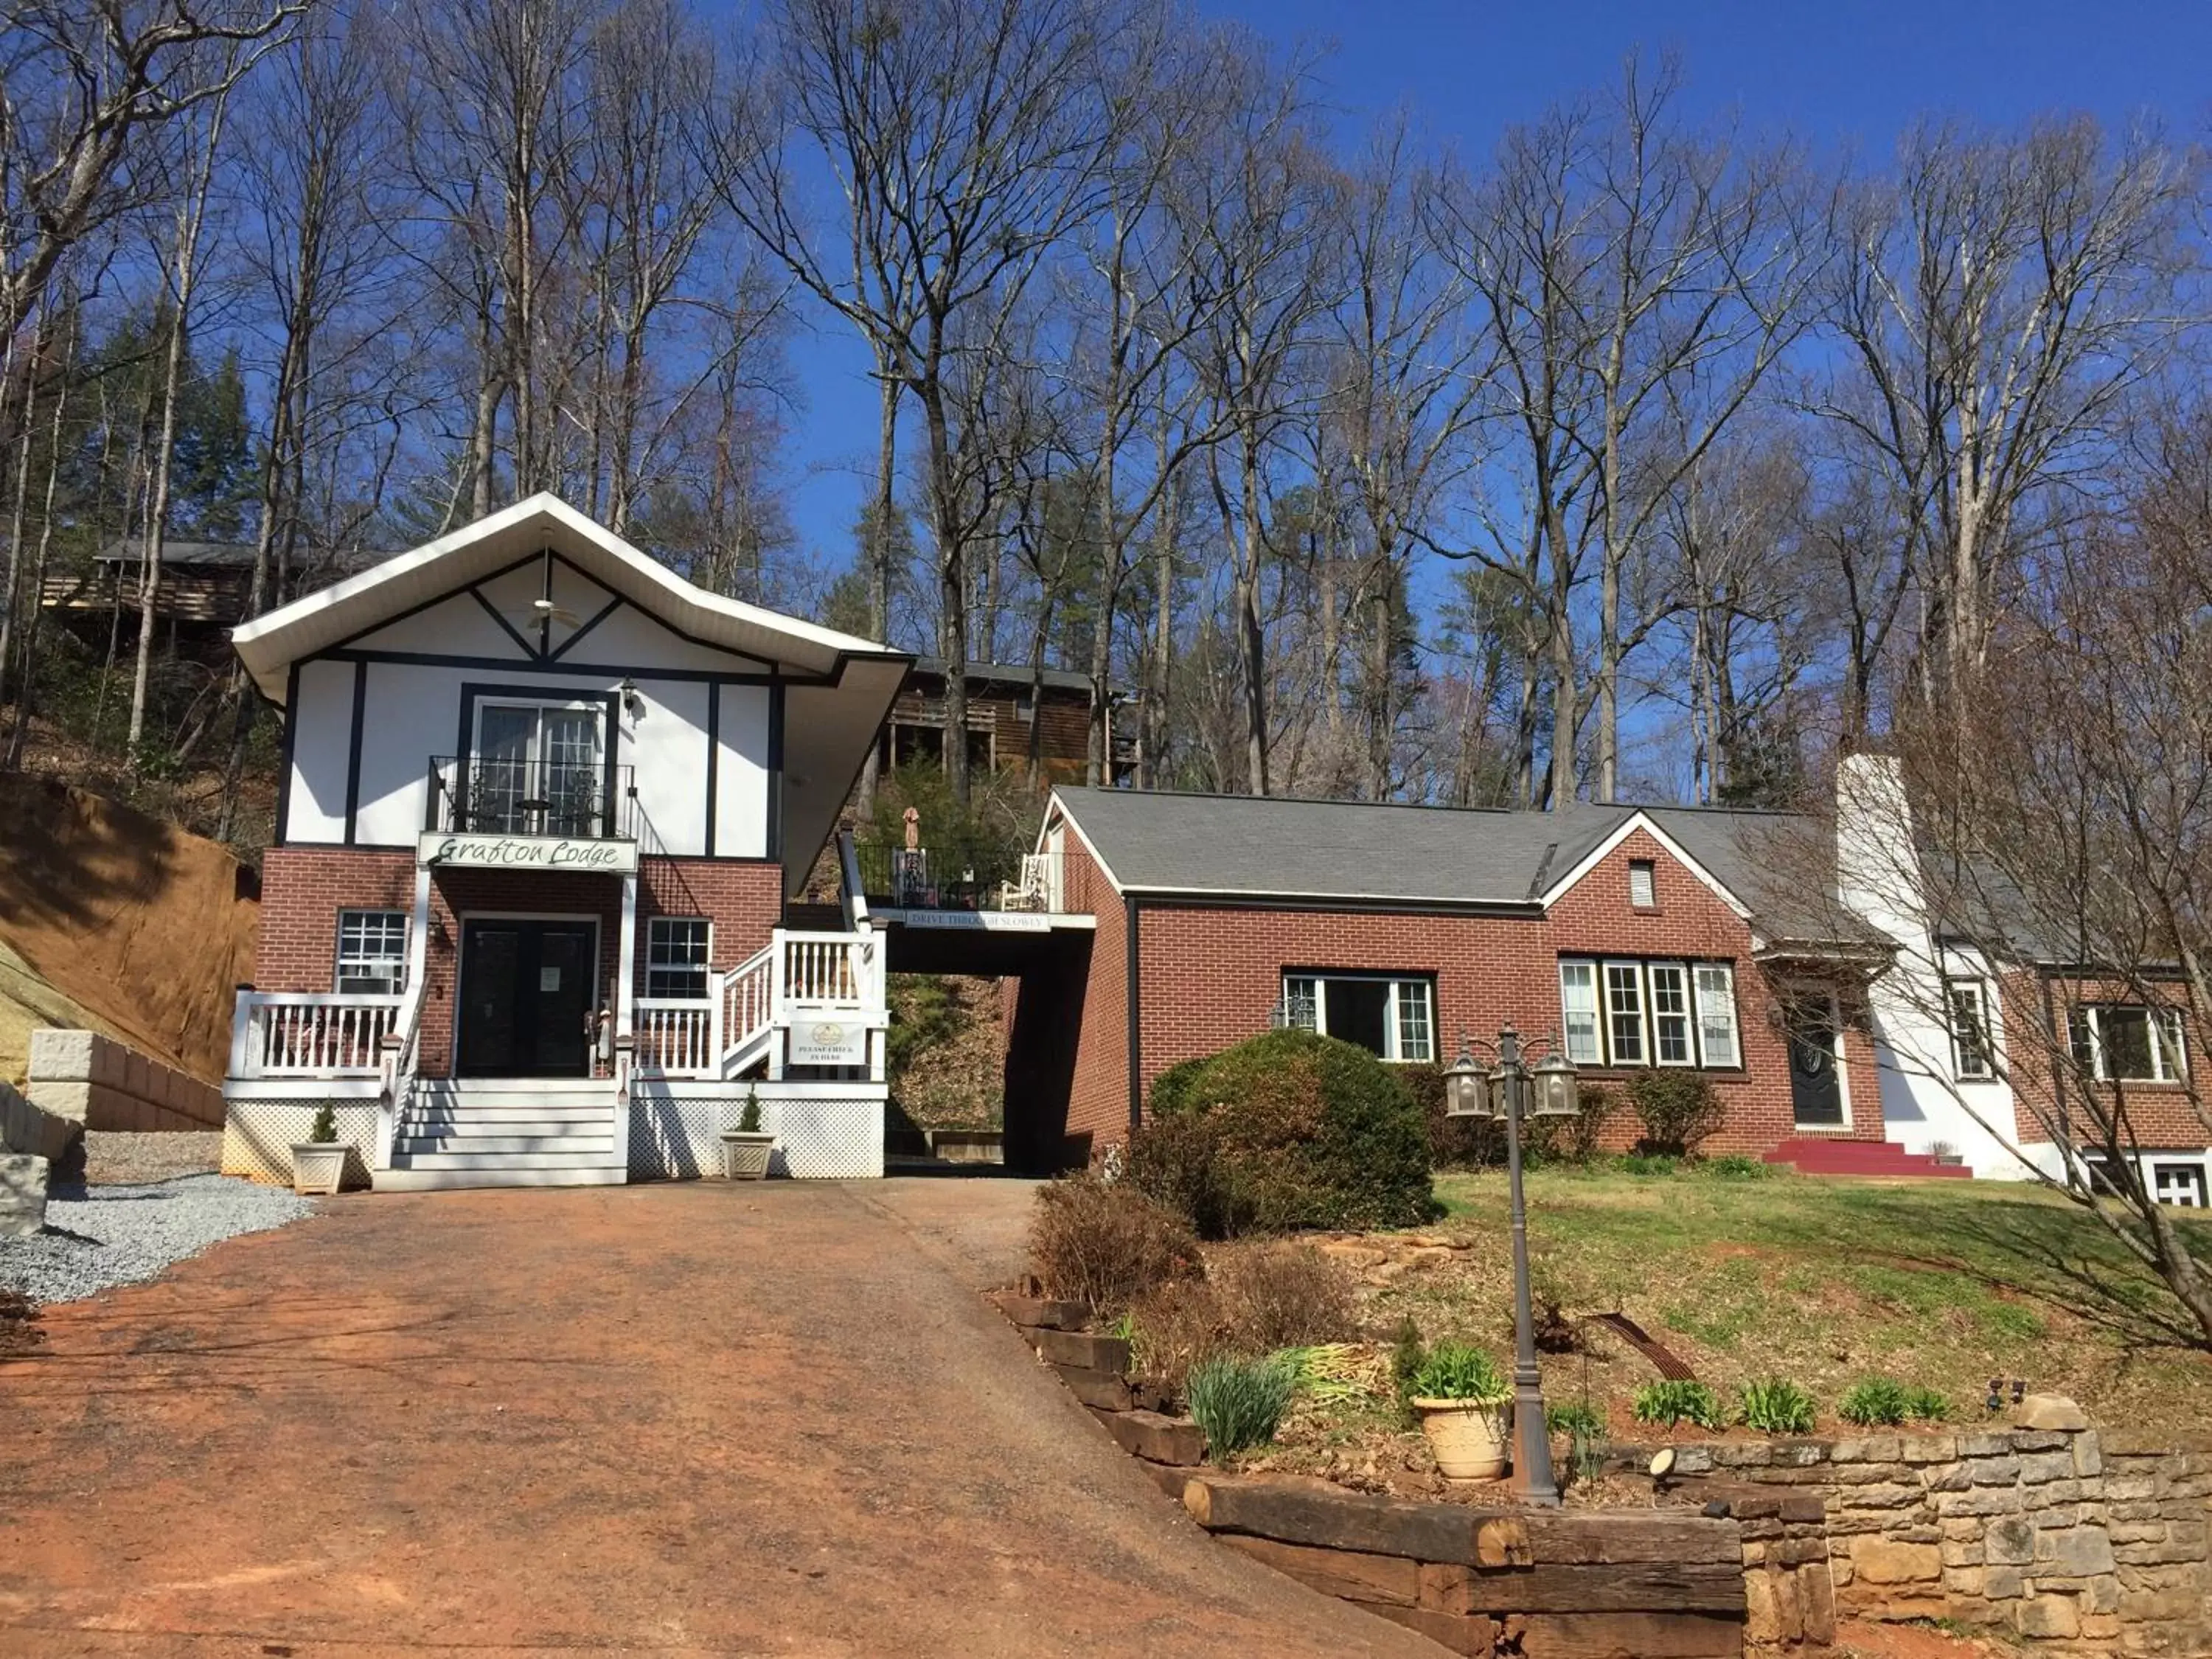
(1817, 1155)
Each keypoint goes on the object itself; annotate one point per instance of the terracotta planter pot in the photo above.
(318, 1167)
(745, 1154)
(1471, 1442)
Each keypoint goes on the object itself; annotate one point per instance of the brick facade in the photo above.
(2034, 1008)
(1211, 975)
(304, 888)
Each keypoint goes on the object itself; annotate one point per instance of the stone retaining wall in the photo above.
(1539, 1584)
(102, 1084)
(2061, 1537)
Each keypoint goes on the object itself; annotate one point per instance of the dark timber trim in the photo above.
(714, 761)
(284, 779)
(775, 841)
(353, 751)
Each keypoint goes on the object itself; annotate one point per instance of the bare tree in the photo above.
(84, 86)
(1995, 302)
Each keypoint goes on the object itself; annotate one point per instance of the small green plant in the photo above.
(1677, 1401)
(748, 1116)
(1926, 1405)
(1649, 1164)
(1239, 1403)
(1736, 1166)
(1407, 1355)
(1678, 1109)
(1879, 1401)
(1773, 1405)
(324, 1128)
(1579, 1420)
(1459, 1371)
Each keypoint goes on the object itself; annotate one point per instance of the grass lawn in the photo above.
(1940, 1283)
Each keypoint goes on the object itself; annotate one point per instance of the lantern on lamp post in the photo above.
(1508, 1093)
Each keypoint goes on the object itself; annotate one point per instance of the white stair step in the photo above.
(513, 1129)
(412, 1144)
(479, 1160)
(432, 1181)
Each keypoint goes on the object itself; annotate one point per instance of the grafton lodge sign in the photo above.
(492, 852)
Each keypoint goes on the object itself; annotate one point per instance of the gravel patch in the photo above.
(98, 1237)
(121, 1158)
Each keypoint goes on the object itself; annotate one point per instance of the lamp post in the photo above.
(1472, 1091)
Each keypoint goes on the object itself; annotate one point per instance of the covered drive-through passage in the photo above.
(1042, 959)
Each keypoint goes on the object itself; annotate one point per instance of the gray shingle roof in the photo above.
(1276, 847)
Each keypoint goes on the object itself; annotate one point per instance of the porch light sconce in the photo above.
(1559, 1091)
(632, 704)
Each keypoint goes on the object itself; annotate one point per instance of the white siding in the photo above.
(628, 637)
(322, 732)
(741, 774)
(668, 748)
(458, 627)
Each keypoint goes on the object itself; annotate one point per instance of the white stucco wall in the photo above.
(412, 712)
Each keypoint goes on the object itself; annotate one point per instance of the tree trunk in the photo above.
(877, 553)
(1251, 640)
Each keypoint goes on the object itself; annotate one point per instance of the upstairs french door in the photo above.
(537, 770)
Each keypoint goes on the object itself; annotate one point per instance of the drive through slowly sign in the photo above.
(611, 858)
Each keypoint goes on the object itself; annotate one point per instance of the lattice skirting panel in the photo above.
(823, 1132)
(258, 1136)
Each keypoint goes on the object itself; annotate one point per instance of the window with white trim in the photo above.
(1578, 1012)
(1671, 1044)
(2180, 1184)
(676, 952)
(1719, 1047)
(1642, 883)
(1971, 1055)
(371, 952)
(2123, 1042)
(1391, 1017)
(1626, 1011)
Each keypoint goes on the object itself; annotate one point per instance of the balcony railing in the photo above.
(294, 1034)
(932, 878)
(486, 794)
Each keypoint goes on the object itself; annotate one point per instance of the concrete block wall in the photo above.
(101, 1084)
(27, 1128)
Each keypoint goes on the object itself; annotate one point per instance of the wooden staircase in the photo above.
(503, 1131)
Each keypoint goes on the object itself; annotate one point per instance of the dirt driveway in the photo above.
(673, 1420)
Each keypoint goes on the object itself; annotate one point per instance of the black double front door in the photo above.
(526, 997)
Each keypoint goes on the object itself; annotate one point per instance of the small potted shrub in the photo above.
(318, 1162)
(745, 1148)
(1465, 1405)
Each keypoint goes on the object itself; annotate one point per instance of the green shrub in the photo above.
(1575, 1139)
(1647, 1163)
(1926, 1405)
(748, 1118)
(1773, 1405)
(1877, 1402)
(1579, 1420)
(1736, 1166)
(1170, 1094)
(1675, 1401)
(1106, 1245)
(323, 1128)
(1240, 1403)
(1678, 1109)
(1286, 1131)
(1459, 1371)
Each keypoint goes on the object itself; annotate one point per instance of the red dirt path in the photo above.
(678, 1419)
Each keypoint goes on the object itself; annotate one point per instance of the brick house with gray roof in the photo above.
(1625, 932)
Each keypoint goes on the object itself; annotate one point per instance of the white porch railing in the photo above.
(676, 1035)
(310, 1033)
(402, 1053)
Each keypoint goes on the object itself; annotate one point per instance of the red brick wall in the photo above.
(1213, 975)
(303, 889)
(1098, 1096)
(2162, 1116)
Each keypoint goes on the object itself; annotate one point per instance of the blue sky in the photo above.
(1848, 74)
